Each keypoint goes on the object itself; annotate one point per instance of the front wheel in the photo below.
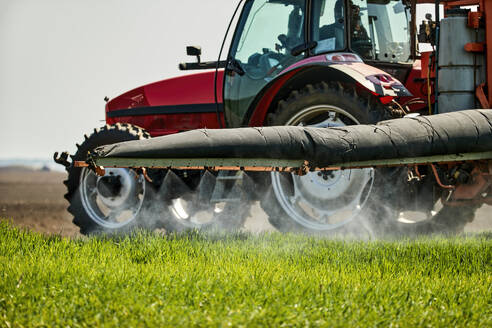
(115, 202)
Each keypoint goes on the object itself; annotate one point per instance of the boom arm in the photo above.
(444, 142)
(418, 137)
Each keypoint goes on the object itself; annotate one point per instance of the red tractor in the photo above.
(321, 63)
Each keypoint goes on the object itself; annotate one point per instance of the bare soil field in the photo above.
(34, 200)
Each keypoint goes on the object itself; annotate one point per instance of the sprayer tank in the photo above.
(460, 71)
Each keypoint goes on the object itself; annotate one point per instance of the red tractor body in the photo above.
(188, 102)
(169, 106)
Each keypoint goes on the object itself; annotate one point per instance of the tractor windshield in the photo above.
(267, 32)
(380, 30)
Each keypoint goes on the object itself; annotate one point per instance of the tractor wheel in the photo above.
(362, 201)
(321, 202)
(114, 202)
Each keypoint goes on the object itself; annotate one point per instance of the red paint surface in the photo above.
(355, 64)
(370, 73)
(184, 90)
(417, 87)
(188, 89)
(334, 58)
(199, 89)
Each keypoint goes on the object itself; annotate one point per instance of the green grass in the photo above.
(243, 280)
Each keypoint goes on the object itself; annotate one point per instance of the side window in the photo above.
(328, 27)
(380, 30)
(271, 31)
(362, 36)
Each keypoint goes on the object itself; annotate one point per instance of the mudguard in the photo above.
(340, 67)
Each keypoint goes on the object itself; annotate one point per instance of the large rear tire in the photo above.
(114, 203)
(321, 202)
(328, 201)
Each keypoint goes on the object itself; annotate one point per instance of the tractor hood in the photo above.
(194, 89)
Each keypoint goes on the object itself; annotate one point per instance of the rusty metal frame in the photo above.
(477, 191)
(438, 180)
(271, 165)
(461, 194)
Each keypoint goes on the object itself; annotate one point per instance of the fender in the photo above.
(341, 67)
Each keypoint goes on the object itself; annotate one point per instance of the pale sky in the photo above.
(60, 58)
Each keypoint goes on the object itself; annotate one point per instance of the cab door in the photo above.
(265, 42)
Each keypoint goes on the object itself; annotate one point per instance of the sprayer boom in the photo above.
(273, 165)
(445, 138)
(450, 145)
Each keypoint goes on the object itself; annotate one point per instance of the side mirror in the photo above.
(194, 51)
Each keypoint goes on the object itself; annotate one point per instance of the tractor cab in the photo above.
(273, 35)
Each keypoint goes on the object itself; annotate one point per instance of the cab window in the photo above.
(380, 30)
(328, 27)
(270, 32)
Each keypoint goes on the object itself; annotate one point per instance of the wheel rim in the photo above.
(323, 200)
(114, 200)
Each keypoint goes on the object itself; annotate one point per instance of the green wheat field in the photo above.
(240, 279)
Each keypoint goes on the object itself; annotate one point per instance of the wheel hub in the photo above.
(109, 186)
(323, 185)
(116, 188)
(323, 200)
